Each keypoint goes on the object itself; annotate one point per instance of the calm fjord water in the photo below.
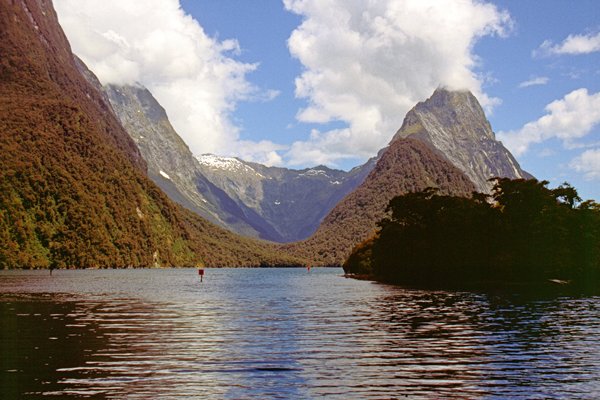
(285, 333)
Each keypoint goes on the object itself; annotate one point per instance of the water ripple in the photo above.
(286, 334)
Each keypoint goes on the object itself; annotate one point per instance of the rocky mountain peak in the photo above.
(146, 102)
(454, 123)
(459, 108)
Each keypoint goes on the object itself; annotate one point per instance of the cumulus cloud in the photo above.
(588, 163)
(328, 148)
(568, 119)
(573, 44)
(535, 81)
(155, 43)
(367, 63)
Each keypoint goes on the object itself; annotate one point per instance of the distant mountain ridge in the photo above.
(172, 166)
(406, 165)
(293, 202)
(449, 131)
(284, 205)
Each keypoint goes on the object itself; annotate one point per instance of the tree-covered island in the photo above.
(522, 234)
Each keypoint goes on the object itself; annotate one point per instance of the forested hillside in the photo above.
(73, 186)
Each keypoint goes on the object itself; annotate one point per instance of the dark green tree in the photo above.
(523, 233)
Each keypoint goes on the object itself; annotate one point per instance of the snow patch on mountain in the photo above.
(225, 164)
(314, 172)
(164, 174)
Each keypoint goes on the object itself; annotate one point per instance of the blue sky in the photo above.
(303, 82)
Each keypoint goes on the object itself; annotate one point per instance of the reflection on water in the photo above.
(286, 334)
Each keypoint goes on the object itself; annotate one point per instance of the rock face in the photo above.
(172, 166)
(406, 165)
(454, 123)
(270, 203)
(291, 202)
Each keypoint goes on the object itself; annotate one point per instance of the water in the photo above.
(286, 333)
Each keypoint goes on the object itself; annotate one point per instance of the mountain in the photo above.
(454, 123)
(444, 142)
(73, 185)
(172, 166)
(291, 202)
(406, 165)
(276, 204)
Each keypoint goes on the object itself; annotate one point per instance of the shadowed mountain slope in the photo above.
(292, 202)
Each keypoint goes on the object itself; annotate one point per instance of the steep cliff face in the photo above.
(172, 166)
(37, 59)
(407, 165)
(292, 202)
(454, 123)
(73, 185)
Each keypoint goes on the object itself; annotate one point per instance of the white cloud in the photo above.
(588, 163)
(573, 44)
(535, 81)
(196, 78)
(546, 152)
(263, 152)
(328, 148)
(368, 63)
(570, 118)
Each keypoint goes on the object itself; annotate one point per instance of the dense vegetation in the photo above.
(73, 186)
(406, 165)
(523, 233)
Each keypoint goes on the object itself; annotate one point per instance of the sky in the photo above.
(298, 83)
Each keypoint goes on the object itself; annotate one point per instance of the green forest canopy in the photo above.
(523, 233)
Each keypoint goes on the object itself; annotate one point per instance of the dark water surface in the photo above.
(286, 333)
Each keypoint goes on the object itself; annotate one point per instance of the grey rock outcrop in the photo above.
(454, 123)
(172, 166)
